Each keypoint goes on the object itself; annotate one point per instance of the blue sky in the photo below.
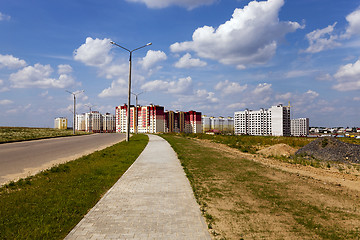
(213, 56)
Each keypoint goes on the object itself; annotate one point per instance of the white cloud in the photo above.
(187, 62)
(189, 4)
(285, 97)
(354, 23)
(64, 69)
(236, 106)
(94, 52)
(151, 58)
(4, 17)
(262, 88)
(226, 87)
(299, 73)
(18, 109)
(324, 77)
(5, 102)
(207, 96)
(249, 37)
(117, 88)
(321, 39)
(182, 86)
(40, 76)
(311, 94)
(356, 98)
(11, 62)
(348, 77)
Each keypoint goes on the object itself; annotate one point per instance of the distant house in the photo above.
(60, 123)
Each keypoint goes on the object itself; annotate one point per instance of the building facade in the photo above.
(61, 123)
(95, 122)
(220, 124)
(153, 119)
(300, 127)
(274, 121)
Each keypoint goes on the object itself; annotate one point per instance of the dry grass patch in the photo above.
(243, 198)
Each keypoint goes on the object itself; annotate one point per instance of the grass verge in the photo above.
(49, 204)
(16, 134)
(241, 198)
(251, 144)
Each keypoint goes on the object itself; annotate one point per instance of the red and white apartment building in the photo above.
(153, 119)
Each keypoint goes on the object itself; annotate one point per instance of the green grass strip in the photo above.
(50, 204)
(17, 134)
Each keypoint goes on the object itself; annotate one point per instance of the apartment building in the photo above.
(108, 123)
(218, 124)
(274, 121)
(60, 123)
(95, 122)
(80, 122)
(153, 119)
(146, 119)
(300, 127)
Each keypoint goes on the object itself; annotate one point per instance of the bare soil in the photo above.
(333, 195)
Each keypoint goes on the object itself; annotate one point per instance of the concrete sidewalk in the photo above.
(152, 200)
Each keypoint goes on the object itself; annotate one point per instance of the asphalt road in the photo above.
(27, 158)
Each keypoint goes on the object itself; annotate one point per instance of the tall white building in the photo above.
(80, 122)
(300, 127)
(95, 122)
(108, 122)
(218, 124)
(274, 121)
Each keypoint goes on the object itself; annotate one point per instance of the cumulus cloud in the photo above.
(348, 77)
(11, 62)
(321, 39)
(262, 88)
(117, 88)
(189, 4)
(311, 94)
(152, 58)
(182, 86)
(284, 97)
(40, 76)
(5, 102)
(226, 87)
(94, 52)
(187, 62)
(354, 23)
(250, 37)
(4, 17)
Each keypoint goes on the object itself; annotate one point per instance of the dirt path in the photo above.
(349, 178)
(254, 200)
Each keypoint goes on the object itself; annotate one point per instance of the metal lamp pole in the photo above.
(129, 93)
(136, 99)
(74, 94)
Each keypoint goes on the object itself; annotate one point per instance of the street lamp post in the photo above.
(74, 94)
(136, 112)
(129, 93)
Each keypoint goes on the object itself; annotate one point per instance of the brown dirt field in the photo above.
(240, 214)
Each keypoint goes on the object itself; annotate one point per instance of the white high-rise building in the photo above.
(274, 121)
(300, 127)
(80, 122)
(95, 122)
